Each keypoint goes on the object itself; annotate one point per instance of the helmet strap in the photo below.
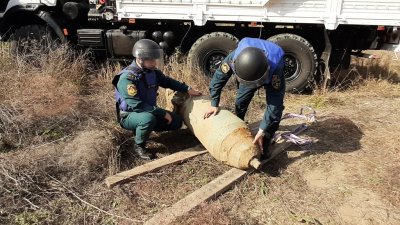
(139, 62)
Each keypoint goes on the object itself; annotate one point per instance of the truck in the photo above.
(315, 34)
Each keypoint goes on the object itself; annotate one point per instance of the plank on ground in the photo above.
(178, 157)
(207, 192)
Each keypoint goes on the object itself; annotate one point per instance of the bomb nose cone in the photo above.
(255, 163)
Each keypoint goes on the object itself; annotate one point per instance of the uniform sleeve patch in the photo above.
(225, 68)
(276, 82)
(131, 88)
(134, 77)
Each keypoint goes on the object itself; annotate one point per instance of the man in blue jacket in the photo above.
(136, 90)
(255, 63)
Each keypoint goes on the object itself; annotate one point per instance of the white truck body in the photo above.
(12, 3)
(331, 13)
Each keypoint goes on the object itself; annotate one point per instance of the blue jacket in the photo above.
(274, 55)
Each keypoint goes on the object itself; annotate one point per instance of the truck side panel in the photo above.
(363, 12)
(331, 13)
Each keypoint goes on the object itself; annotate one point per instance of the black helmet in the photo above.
(251, 67)
(147, 49)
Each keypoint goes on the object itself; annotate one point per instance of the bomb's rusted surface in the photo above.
(225, 136)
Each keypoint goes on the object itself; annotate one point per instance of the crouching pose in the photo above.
(136, 95)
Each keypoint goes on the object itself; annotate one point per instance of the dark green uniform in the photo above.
(138, 88)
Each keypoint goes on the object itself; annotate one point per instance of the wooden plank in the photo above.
(207, 192)
(175, 158)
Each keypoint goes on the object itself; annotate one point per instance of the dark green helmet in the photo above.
(251, 67)
(147, 49)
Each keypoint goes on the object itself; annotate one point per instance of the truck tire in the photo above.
(300, 61)
(209, 50)
(31, 38)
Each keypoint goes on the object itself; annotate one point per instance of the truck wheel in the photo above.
(300, 61)
(209, 50)
(31, 38)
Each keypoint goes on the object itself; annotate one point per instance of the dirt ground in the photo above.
(350, 175)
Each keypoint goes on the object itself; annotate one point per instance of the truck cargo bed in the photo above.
(331, 13)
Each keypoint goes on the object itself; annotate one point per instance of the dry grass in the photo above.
(178, 69)
(206, 213)
(39, 98)
(44, 103)
(364, 69)
(54, 159)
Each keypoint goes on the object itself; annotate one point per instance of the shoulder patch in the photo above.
(134, 73)
(131, 88)
(225, 68)
(134, 76)
(276, 82)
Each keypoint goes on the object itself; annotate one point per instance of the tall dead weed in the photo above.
(39, 98)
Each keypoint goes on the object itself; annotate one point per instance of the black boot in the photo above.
(267, 148)
(143, 153)
(266, 154)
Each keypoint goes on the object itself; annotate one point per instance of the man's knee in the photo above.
(146, 120)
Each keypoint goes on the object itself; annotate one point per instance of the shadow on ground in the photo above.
(330, 134)
(162, 143)
(174, 141)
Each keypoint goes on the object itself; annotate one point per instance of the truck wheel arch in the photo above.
(300, 61)
(28, 17)
(214, 46)
(54, 24)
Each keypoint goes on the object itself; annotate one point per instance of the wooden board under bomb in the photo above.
(175, 158)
